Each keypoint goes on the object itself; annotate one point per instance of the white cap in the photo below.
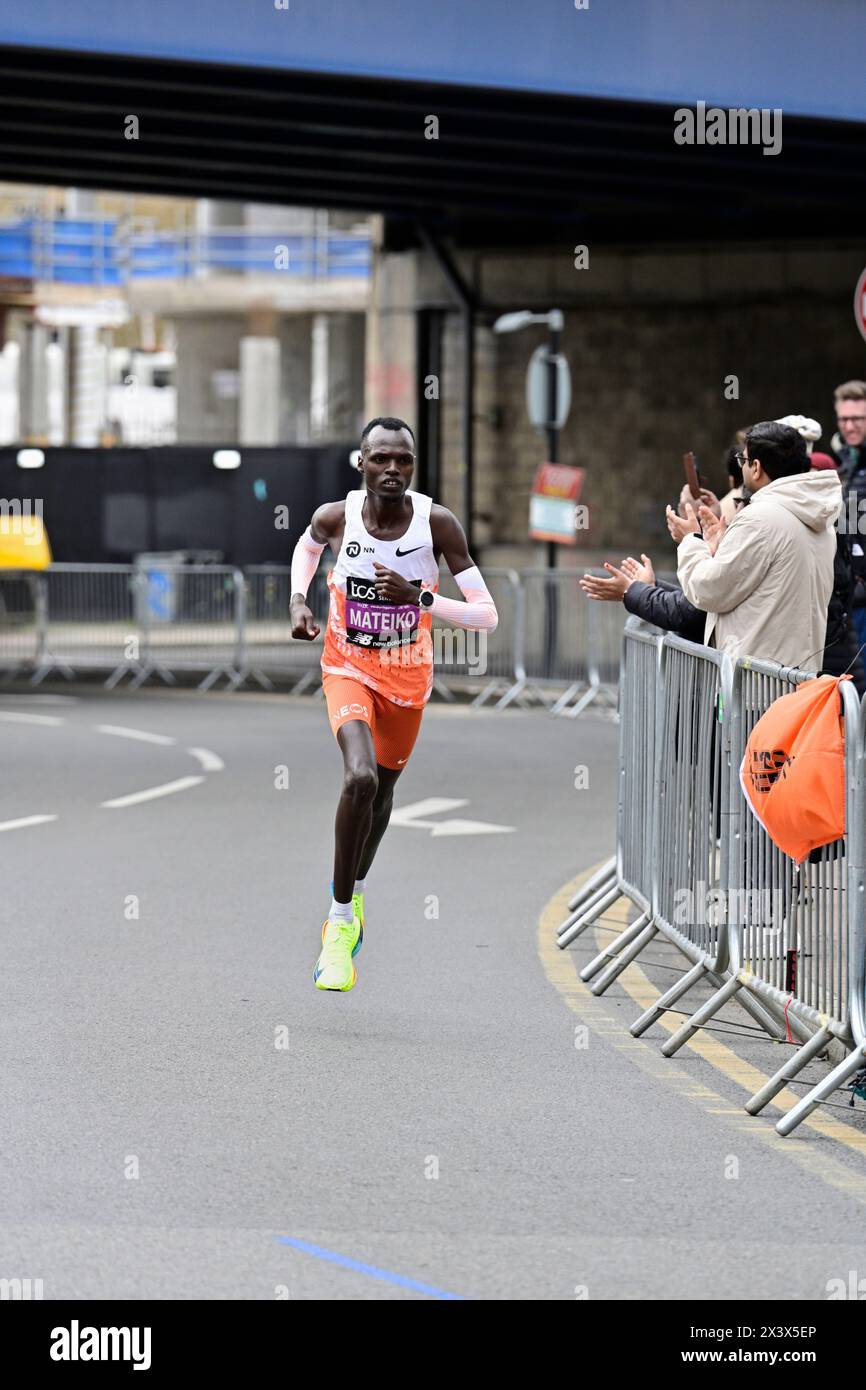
(809, 429)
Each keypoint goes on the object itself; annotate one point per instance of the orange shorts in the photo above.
(394, 727)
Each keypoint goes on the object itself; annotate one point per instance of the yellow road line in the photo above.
(562, 972)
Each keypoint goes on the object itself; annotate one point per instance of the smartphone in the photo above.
(693, 477)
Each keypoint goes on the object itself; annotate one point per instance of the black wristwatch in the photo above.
(426, 599)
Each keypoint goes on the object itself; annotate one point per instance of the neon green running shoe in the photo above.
(358, 909)
(340, 942)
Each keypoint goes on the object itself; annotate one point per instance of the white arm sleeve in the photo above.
(479, 610)
(305, 562)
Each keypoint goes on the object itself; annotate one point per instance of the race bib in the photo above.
(373, 622)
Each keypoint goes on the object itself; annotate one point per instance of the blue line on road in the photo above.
(348, 1263)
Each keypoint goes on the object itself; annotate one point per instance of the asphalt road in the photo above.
(185, 1116)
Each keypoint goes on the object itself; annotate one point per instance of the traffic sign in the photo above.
(537, 388)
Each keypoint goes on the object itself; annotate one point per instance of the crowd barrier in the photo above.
(787, 943)
(551, 646)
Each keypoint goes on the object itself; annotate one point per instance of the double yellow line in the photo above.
(561, 968)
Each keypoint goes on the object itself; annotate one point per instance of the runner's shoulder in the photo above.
(443, 523)
(328, 520)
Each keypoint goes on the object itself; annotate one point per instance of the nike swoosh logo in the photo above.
(409, 552)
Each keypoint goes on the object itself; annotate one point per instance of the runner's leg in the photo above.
(381, 814)
(355, 808)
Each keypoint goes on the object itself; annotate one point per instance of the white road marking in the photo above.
(25, 820)
(121, 732)
(211, 762)
(151, 793)
(34, 699)
(51, 719)
(411, 818)
(471, 827)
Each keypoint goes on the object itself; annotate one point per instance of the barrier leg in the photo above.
(820, 1092)
(625, 959)
(512, 693)
(703, 1015)
(592, 914)
(563, 700)
(586, 906)
(786, 1073)
(667, 1000)
(612, 951)
(586, 890)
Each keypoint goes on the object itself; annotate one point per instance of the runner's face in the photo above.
(387, 461)
(851, 418)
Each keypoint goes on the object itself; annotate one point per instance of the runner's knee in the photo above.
(361, 782)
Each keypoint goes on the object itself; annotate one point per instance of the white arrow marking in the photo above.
(430, 806)
(152, 792)
(211, 762)
(411, 818)
(25, 820)
(141, 734)
(470, 827)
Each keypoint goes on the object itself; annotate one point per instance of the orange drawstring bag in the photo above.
(793, 770)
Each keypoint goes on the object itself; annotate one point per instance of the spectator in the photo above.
(848, 448)
(664, 605)
(733, 499)
(765, 579)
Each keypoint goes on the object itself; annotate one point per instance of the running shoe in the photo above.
(340, 942)
(358, 909)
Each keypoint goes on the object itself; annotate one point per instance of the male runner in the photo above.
(377, 659)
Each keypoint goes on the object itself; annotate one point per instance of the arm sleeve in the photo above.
(305, 562)
(664, 606)
(479, 610)
(718, 583)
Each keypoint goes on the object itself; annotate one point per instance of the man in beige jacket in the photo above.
(764, 580)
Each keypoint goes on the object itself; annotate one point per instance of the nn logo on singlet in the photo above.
(353, 549)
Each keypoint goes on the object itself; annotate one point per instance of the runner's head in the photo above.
(387, 456)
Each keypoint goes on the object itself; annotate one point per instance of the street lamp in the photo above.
(550, 422)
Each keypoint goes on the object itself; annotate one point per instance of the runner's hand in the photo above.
(392, 587)
(304, 624)
(639, 573)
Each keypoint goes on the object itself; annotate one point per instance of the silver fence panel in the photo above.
(788, 926)
(630, 874)
(571, 643)
(90, 621)
(192, 620)
(493, 660)
(269, 648)
(22, 621)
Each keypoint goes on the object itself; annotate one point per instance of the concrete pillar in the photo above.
(86, 392)
(337, 386)
(259, 422)
(296, 364)
(391, 347)
(33, 383)
(208, 377)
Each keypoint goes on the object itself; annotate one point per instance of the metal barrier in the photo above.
(159, 619)
(569, 641)
(268, 648)
(787, 942)
(630, 874)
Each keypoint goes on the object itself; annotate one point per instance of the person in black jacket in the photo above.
(664, 605)
(848, 450)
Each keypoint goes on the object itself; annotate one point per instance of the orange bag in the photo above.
(793, 770)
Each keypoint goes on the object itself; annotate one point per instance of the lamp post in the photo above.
(548, 419)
